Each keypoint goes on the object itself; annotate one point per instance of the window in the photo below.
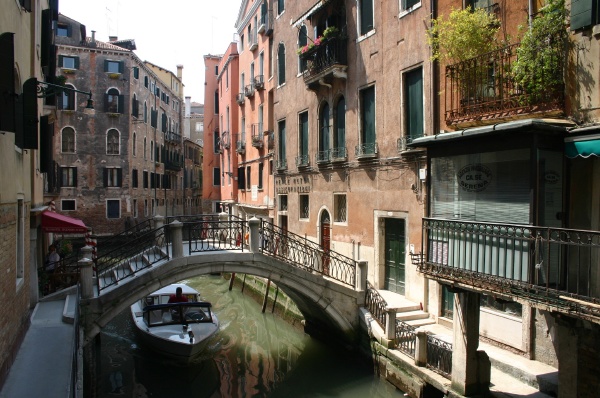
(68, 176)
(408, 5)
(135, 208)
(413, 103)
(113, 66)
(474, 4)
(367, 120)
(303, 139)
(68, 140)
(68, 62)
(304, 206)
(216, 176)
(113, 101)
(584, 13)
(339, 138)
(216, 70)
(261, 167)
(365, 16)
(113, 208)
(508, 307)
(134, 144)
(146, 81)
(67, 99)
(324, 132)
(280, 6)
(280, 64)
(145, 147)
(283, 202)
(145, 179)
(112, 142)
(112, 177)
(63, 30)
(339, 208)
(302, 42)
(241, 43)
(67, 205)
(134, 178)
(216, 143)
(20, 238)
(146, 207)
(241, 177)
(135, 112)
(145, 112)
(216, 102)
(248, 177)
(136, 72)
(281, 144)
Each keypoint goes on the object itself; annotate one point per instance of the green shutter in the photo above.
(581, 13)
(74, 176)
(282, 153)
(281, 63)
(121, 105)
(105, 176)
(30, 115)
(368, 115)
(121, 66)
(414, 103)
(341, 124)
(119, 177)
(7, 83)
(304, 134)
(76, 62)
(60, 60)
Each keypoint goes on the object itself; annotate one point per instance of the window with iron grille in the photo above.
(304, 206)
(340, 208)
(67, 205)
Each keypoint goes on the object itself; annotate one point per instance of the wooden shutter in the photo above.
(414, 103)
(105, 65)
(581, 13)
(119, 177)
(26, 4)
(105, 176)
(74, 176)
(121, 67)
(340, 124)
(7, 83)
(46, 144)
(368, 115)
(60, 61)
(241, 178)
(304, 134)
(121, 105)
(30, 114)
(76, 62)
(281, 64)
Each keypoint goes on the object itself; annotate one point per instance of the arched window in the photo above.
(145, 147)
(280, 64)
(68, 140)
(112, 142)
(134, 107)
(133, 149)
(67, 99)
(324, 133)
(303, 46)
(151, 150)
(114, 101)
(339, 134)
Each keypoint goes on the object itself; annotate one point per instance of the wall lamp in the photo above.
(45, 90)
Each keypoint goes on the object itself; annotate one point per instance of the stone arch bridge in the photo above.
(327, 287)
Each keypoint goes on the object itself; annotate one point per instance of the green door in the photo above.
(394, 255)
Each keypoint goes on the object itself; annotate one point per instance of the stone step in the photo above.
(68, 315)
(411, 315)
(417, 323)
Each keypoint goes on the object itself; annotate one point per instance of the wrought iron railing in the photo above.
(375, 304)
(366, 150)
(406, 338)
(257, 135)
(403, 142)
(331, 52)
(302, 253)
(249, 90)
(339, 154)
(551, 265)
(215, 235)
(172, 136)
(259, 82)
(240, 146)
(439, 356)
(323, 156)
(302, 160)
(116, 263)
(240, 98)
(484, 87)
(281, 164)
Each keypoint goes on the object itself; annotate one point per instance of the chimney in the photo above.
(93, 36)
(188, 106)
(113, 38)
(179, 71)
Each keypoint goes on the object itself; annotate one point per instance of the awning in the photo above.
(311, 11)
(584, 146)
(54, 222)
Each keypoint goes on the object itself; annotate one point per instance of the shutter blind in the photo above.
(105, 176)
(414, 104)
(119, 177)
(74, 176)
(30, 114)
(304, 134)
(281, 64)
(7, 83)
(241, 178)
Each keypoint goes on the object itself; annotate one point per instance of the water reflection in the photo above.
(252, 355)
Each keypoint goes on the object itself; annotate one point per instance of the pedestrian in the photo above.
(178, 297)
(52, 260)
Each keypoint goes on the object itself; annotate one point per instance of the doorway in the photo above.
(395, 254)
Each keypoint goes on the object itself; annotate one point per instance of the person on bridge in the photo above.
(178, 297)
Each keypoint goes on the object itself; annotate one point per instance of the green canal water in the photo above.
(253, 355)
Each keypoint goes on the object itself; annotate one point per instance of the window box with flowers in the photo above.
(114, 75)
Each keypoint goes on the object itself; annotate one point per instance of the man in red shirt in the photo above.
(178, 297)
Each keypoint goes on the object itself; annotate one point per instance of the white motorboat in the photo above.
(178, 330)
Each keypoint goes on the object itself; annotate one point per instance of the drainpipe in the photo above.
(530, 16)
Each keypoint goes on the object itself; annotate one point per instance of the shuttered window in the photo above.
(324, 128)
(340, 125)
(492, 187)
(280, 64)
(113, 177)
(7, 83)
(413, 112)
(303, 134)
(281, 140)
(68, 176)
(134, 178)
(302, 41)
(241, 178)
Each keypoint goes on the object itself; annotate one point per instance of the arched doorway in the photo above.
(325, 239)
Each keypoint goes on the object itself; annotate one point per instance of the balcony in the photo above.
(281, 165)
(323, 157)
(302, 161)
(403, 142)
(257, 135)
(550, 267)
(259, 82)
(249, 90)
(366, 151)
(339, 154)
(173, 164)
(173, 137)
(326, 61)
(225, 140)
(240, 147)
(240, 98)
(483, 89)
(270, 139)
(265, 25)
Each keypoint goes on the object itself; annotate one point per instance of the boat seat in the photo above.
(166, 317)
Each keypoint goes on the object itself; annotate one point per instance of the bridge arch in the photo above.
(326, 305)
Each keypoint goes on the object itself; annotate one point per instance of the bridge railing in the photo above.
(214, 234)
(305, 254)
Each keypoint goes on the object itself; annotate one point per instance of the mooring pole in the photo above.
(244, 283)
(231, 281)
(275, 299)
(266, 295)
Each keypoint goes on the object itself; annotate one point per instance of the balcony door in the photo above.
(395, 243)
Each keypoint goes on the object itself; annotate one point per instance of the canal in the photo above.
(253, 355)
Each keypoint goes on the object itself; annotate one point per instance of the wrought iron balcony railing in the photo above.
(249, 90)
(240, 98)
(257, 135)
(331, 56)
(240, 147)
(554, 266)
(281, 164)
(173, 137)
(483, 88)
(404, 141)
(302, 161)
(259, 82)
(322, 157)
(339, 154)
(253, 39)
(367, 150)
(173, 164)
(265, 25)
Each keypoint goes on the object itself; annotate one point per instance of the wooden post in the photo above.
(231, 281)
(266, 296)
(275, 299)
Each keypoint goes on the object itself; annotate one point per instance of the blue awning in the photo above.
(585, 146)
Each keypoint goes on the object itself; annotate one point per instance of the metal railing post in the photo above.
(254, 224)
(176, 230)
(86, 272)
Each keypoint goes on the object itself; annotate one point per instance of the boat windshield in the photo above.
(177, 313)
